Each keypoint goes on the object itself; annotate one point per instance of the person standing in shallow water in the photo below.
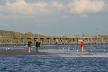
(29, 45)
(37, 45)
(82, 46)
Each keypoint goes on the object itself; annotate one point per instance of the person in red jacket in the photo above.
(82, 46)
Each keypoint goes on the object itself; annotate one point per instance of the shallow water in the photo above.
(59, 60)
(52, 64)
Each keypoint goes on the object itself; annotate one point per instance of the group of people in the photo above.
(30, 43)
(38, 45)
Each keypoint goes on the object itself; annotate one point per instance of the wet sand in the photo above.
(21, 52)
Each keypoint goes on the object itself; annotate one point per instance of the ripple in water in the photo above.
(50, 63)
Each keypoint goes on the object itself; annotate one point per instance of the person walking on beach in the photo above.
(82, 46)
(37, 45)
(29, 45)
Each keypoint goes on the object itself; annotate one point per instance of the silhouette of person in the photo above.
(37, 45)
(29, 45)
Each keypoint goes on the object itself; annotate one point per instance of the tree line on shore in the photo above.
(18, 34)
(28, 34)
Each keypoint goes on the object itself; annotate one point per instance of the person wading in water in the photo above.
(29, 45)
(82, 46)
(37, 45)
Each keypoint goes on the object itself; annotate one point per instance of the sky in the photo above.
(55, 17)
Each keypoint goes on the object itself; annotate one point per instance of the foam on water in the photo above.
(66, 53)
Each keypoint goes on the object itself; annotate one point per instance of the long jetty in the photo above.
(52, 40)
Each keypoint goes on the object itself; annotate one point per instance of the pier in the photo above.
(52, 40)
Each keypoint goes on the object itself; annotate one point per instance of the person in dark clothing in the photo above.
(29, 45)
(37, 45)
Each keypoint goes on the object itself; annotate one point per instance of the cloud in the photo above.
(20, 7)
(0, 8)
(23, 9)
(105, 7)
(86, 6)
(59, 6)
(65, 16)
(83, 15)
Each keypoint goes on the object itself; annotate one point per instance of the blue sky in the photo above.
(55, 17)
